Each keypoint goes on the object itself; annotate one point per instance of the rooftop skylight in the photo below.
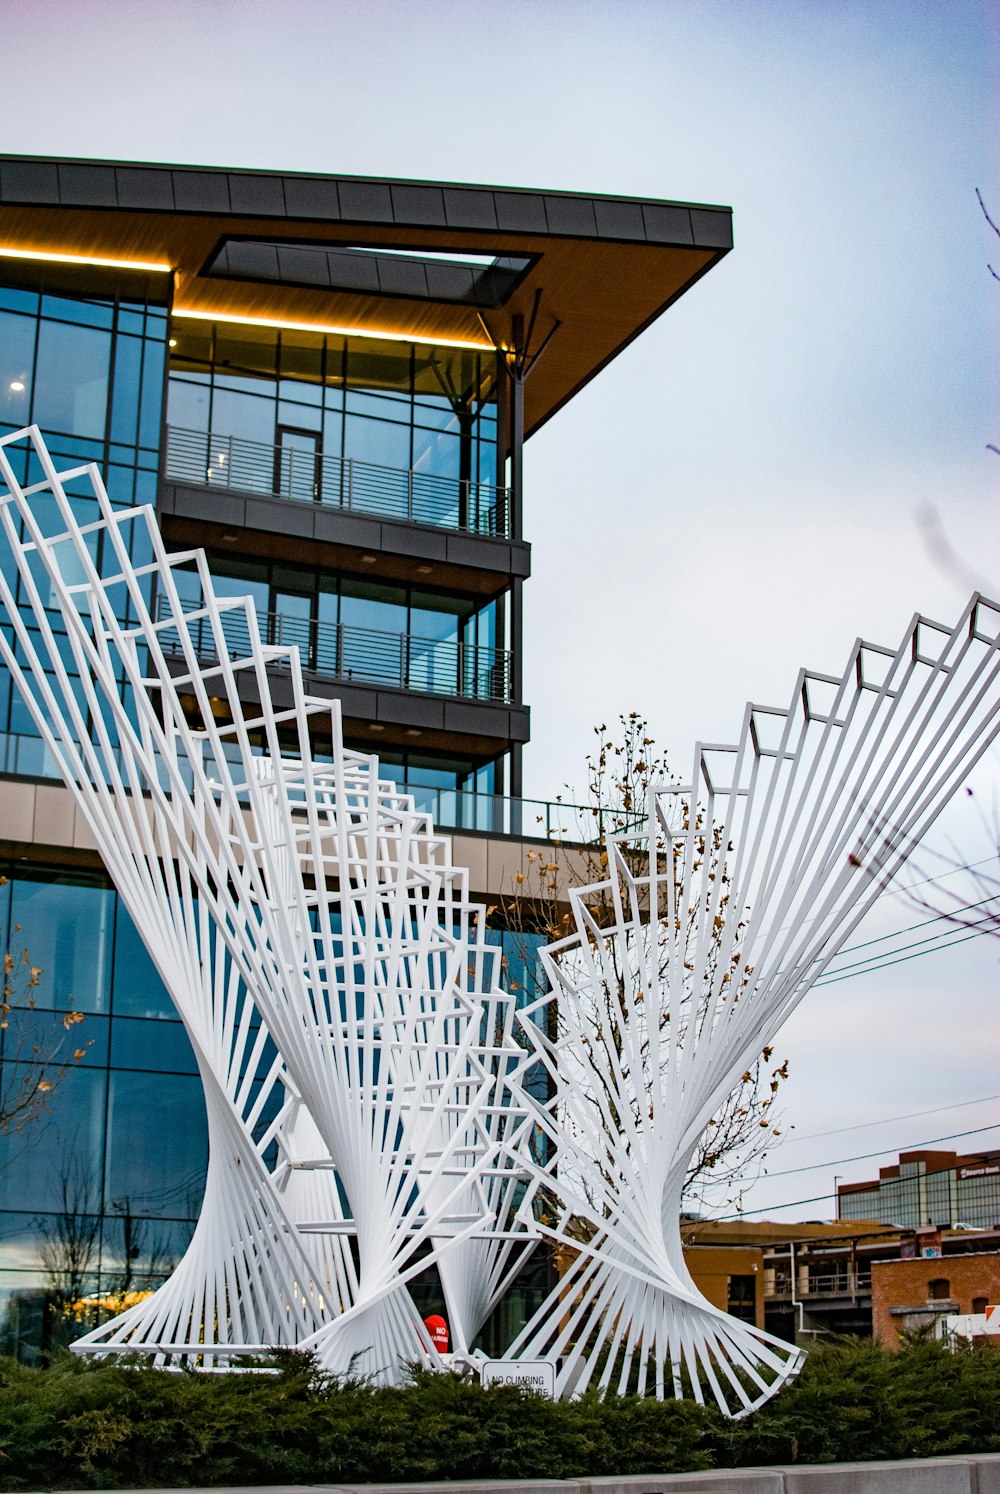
(416, 274)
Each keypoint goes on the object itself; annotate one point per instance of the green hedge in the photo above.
(86, 1426)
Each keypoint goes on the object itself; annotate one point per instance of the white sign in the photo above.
(970, 1324)
(531, 1374)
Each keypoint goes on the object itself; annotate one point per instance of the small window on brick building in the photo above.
(939, 1290)
(980, 1304)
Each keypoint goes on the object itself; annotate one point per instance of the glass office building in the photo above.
(327, 384)
(928, 1188)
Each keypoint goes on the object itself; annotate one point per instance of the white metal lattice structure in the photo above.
(711, 927)
(371, 1107)
(353, 1041)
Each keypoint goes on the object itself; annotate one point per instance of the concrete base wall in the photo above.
(977, 1474)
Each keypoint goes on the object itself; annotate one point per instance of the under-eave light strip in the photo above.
(334, 331)
(86, 259)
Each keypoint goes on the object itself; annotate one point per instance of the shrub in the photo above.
(77, 1425)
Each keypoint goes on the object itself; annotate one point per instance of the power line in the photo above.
(953, 871)
(943, 940)
(796, 1203)
(913, 1146)
(831, 980)
(912, 927)
(945, 915)
(888, 1120)
(985, 921)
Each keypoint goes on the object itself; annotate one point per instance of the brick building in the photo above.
(805, 1281)
(908, 1295)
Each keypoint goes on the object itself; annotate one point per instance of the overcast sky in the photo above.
(751, 485)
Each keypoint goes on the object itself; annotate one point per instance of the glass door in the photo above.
(297, 464)
(291, 622)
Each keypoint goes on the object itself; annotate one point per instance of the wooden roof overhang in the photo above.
(601, 268)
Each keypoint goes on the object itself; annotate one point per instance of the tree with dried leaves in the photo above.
(620, 771)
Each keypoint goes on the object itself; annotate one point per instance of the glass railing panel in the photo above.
(451, 809)
(495, 814)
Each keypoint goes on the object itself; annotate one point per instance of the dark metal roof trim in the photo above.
(50, 181)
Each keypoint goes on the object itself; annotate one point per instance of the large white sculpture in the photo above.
(711, 927)
(373, 1098)
(304, 918)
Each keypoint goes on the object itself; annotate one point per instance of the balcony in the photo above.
(402, 661)
(496, 814)
(844, 1283)
(452, 809)
(340, 483)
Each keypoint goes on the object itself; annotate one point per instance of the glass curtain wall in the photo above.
(403, 429)
(99, 1196)
(90, 372)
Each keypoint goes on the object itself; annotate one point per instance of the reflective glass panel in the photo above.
(158, 1045)
(67, 929)
(381, 442)
(159, 1169)
(380, 607)
(17, 356)
(137, 989)
(247, 416)
(71, 383)
(63, 1165)
(187, 405)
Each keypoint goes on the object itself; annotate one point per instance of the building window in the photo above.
(105, 1198)
(90, 372)
(412, 408)
(939, 1290)
(980, 1304)
(742, 1298)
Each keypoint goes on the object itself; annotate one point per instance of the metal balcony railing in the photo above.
(452, 809)
(305, 476)
(496, 814)
(432, 666)
(832, 1284)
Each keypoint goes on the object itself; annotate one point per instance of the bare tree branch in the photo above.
(995, 229)
(620, 770)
